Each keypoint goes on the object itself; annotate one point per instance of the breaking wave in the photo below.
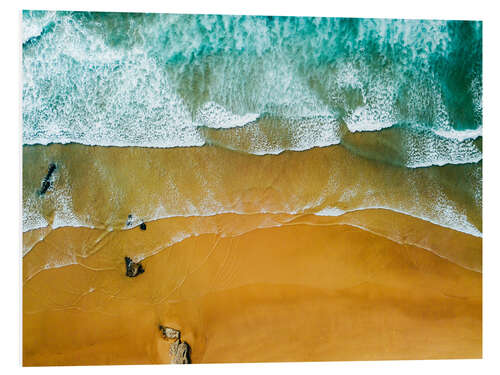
(161, 80)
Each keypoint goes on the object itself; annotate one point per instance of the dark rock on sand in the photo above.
(143, 226)
(133, 269)
(46, 182)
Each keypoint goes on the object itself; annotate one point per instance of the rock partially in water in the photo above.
(129, 220)
(180, 353)
(133, 269)
(143, 226)
(46, 182)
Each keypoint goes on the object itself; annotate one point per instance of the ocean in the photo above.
(405, 93)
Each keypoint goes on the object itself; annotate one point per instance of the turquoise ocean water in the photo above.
(407, 93)
(156, 80)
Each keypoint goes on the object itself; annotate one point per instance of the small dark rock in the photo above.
(45, 186)
(143, 226)
(133, 269)
(129, 220)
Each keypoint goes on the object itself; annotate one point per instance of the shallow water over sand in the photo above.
(101, 186)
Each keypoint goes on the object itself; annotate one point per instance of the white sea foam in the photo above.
(448, 217)
(377, 114)
(460, 135)
(213, 115)
(360, 124)
(32, 217)
(331, 211)
(424, 149)
(36, 25)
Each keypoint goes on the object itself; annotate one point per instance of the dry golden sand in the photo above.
(255, 288)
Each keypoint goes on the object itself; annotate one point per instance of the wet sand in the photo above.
(252, 288)
(101, 186)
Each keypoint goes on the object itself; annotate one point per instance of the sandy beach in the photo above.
(309, 290)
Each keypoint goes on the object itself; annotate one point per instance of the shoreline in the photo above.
(436, 241)
(210, 180)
